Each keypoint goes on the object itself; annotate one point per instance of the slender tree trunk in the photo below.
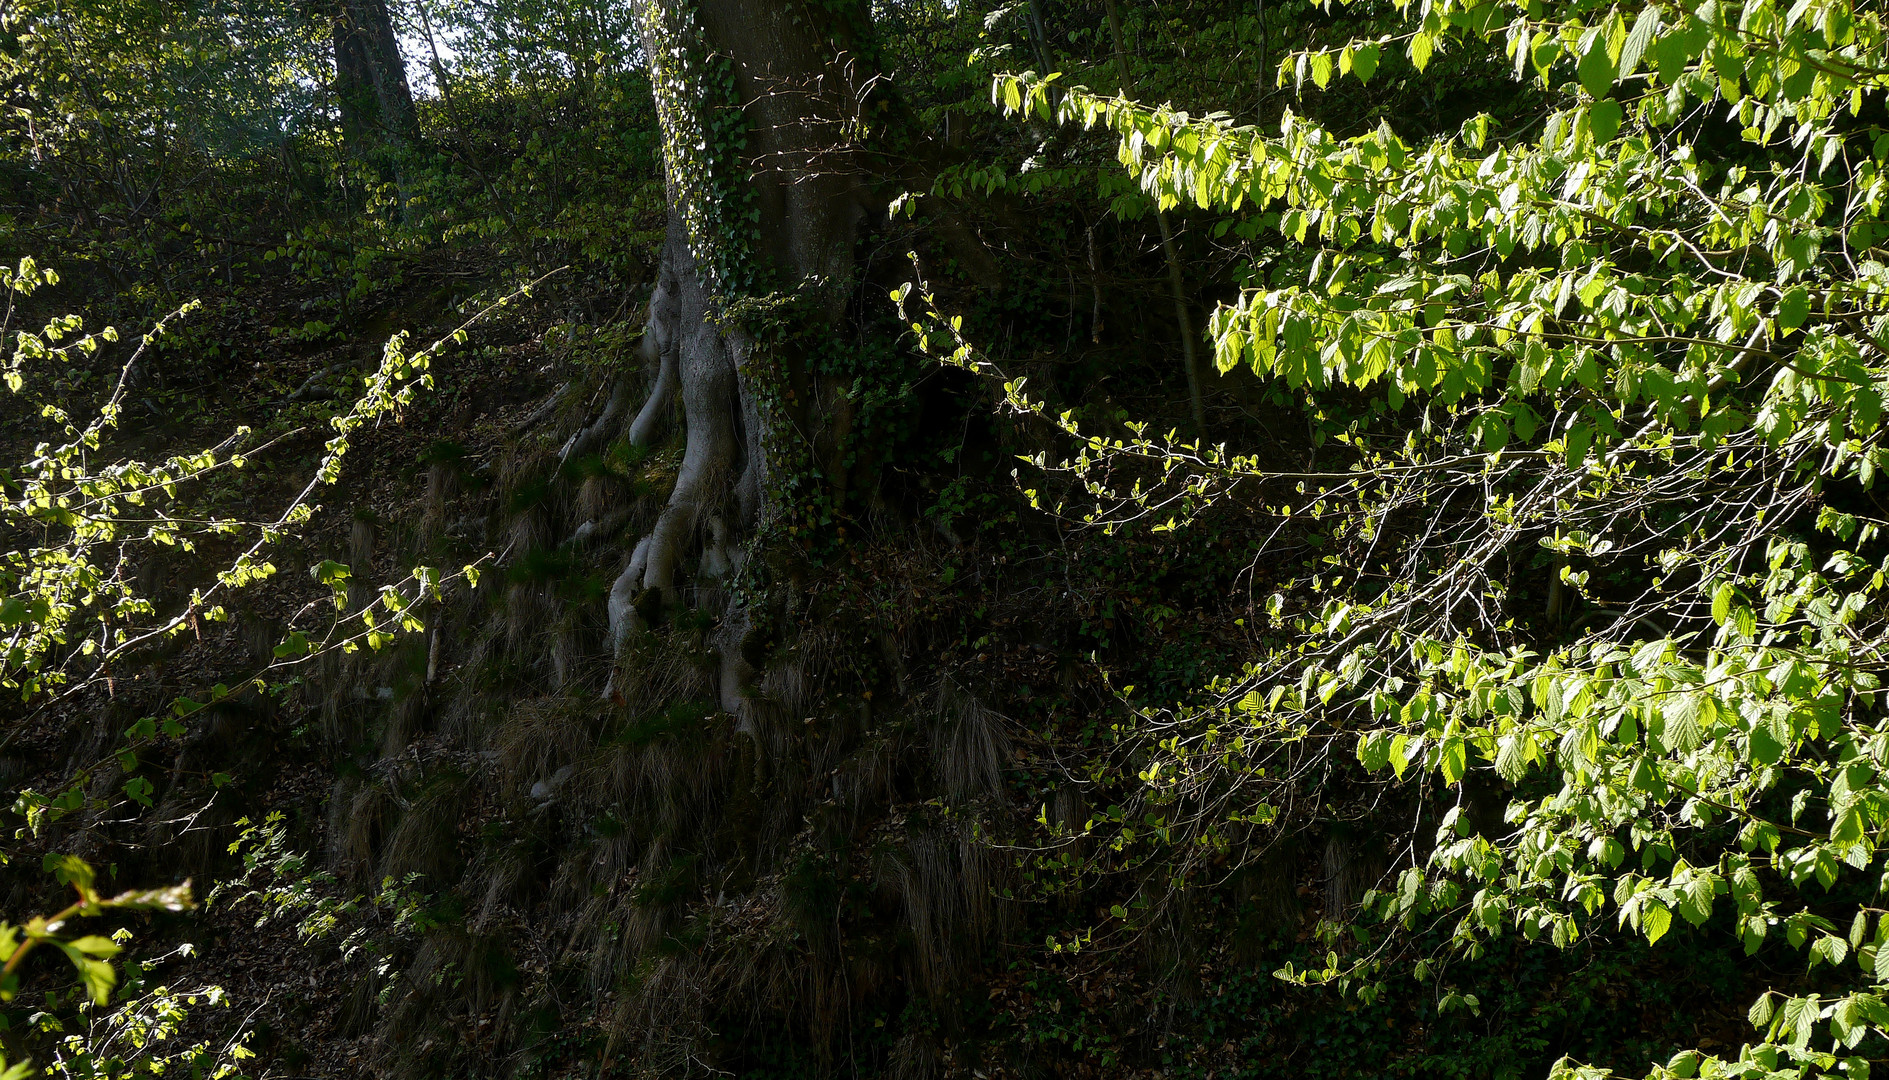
(370, 77)
(1176, 286)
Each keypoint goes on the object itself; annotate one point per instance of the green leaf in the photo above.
(1509, 762)
(1645, 777)
(169, 898)
(1612, 851)
(1760, 1013)
(73, 871)
(1685, 715)
(103, 948)
(1603, 120)
(1655, 922)
(1580, 439)
(1596, 70)
(1364, 61)
(97, 975)
(1793, 308)
(1321, 70)
(1645, 27)
(1829, 949)
(296, 645)
(1454, 759)
(1765, 747)
(1400, 754)
(1374, 750)
(1799, 1020)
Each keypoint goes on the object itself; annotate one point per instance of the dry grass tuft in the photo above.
(541, 737)
(442, 487)
(916, 1056)
(358, 815)
(943, 883)
(505, 880)
(662, 667)
(970, 747)
(797, 674)
(866, 778)
(425, 838)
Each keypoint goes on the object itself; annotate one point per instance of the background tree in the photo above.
(371, 76)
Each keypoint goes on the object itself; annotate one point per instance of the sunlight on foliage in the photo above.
(1657, 356)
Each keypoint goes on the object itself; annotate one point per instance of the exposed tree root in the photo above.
(716, 495)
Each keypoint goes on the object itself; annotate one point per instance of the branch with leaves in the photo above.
(1596, 344)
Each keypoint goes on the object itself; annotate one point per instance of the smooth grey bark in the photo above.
(798, 90)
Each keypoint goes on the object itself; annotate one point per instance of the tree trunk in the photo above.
(370, 77)
(756, 102)
(775, 718)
